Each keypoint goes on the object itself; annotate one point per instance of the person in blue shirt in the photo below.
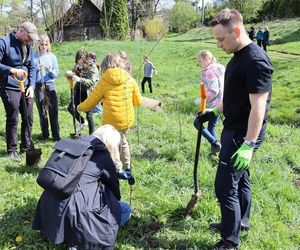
(260, 37)
(16, 60)
(149, 69)
(45, 92)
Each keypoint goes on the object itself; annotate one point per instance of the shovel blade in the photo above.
(33, 156)
(192, 203)
(74, 135)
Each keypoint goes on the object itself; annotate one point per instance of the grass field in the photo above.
(163, 148)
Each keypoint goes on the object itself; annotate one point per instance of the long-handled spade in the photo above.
(33, 155)
(75, 134)
(45, 102)
(195, 197)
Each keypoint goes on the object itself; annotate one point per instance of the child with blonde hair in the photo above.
(212, 76)
(119, 93)
(45, 89)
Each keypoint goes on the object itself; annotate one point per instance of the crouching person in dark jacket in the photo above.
(90, 217)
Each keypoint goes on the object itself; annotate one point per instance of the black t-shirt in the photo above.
(248, 72)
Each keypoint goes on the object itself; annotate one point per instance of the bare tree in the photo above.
(108, 16)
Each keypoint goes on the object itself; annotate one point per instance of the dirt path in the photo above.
(285, 55)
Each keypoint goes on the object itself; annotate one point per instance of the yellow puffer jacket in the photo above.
(118, 92)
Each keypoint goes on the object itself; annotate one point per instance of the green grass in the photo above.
(163, 148)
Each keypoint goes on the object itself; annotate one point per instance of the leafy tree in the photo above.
(183, 17)
(281, 8)
(114, 19)
(248, 8)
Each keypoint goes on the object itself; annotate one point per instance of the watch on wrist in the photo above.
(250, 143)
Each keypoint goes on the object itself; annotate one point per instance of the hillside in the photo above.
(163, 149)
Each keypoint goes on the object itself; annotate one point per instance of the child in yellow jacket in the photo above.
(119, 93)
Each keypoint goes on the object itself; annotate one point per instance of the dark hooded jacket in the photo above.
(90, 217)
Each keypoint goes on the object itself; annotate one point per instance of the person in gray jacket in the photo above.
(16, 61)
(149, 69)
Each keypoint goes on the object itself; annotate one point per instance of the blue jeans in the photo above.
(209, 133)
(232, 187)
(125, 212)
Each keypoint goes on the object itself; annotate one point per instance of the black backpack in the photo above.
(65, 166)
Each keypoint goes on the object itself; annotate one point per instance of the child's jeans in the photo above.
(125, 212)
(209, 133)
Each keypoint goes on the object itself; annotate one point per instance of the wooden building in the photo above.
(80, 22)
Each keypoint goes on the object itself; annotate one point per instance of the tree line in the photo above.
(118, 17)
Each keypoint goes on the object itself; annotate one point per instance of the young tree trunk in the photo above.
(49, 33)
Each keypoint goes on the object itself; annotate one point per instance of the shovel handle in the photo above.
(71, 83)
(21, 81)
(203, 97)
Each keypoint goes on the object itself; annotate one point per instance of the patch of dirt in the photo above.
(297, 181)
(296, 170)
(153, 226)
(153, 243)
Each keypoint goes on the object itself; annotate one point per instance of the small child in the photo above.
(85, 74)
(212, 76)
(119, 93)
(149, 69)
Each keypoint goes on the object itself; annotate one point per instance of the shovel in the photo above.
(195, 197)
(45, 98)
(75, 134)
(33, 155)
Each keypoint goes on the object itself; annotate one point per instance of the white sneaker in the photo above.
(81, 126)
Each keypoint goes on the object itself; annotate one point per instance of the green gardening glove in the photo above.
(207, 115)
(242, 157)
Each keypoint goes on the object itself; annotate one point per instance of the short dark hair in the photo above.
(226, 17)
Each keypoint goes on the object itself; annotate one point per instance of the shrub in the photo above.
(155, 28)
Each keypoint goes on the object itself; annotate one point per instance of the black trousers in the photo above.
(264, 43)
(79, 97)
(259, 43)
(149, 80)
(12, 102)
(232, 187)
(49, 98)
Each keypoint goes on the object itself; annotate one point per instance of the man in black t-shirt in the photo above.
(246, 101)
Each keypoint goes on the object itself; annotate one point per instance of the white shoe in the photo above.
(81, 126)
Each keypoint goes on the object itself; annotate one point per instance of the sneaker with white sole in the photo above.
(81, 126)
(14, 156)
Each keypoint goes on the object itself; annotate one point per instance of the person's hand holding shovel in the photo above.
(69, 74)
(30, 92)
(22, 74)
(19, 73)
